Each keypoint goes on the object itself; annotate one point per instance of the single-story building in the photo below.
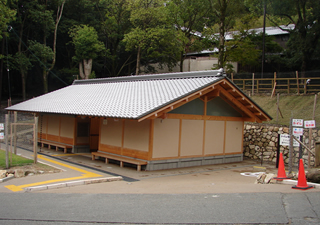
(157, 121)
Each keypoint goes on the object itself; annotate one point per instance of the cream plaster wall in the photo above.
(214, 139)
(43, 123)
(53, 125)
(67, 126)
(192, 64)
(111, 132)
(136, 135)
(191, 137)
(166, 138)
(234, 136)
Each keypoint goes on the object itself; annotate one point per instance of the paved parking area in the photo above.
(222, 178)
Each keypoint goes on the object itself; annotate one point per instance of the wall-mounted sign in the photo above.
(309, 124)
(1, 136)
(1, 126)
(285, 140)
(297, 122)
(297, 131)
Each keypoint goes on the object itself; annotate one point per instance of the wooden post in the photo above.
(305, 86)
(6, 132)
(297, 76)
(310, 137)
(278, 96)
(274, 90)
(290, 145)
(35, 139)
(252, 84)
(310, 129)
(15, 115)
(232, 77)
(11, 136)
(274, 78)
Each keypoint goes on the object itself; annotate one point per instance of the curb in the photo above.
(72, 184)
(6, 178)
(295, 182)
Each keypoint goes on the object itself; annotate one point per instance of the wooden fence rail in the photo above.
(289, 85)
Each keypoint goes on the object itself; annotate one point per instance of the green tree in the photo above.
(150, 26)
(22, 60)
(87, 47)
(226, 13)
(115, 24)
(47, 16)
(6, 16)
(304, 38)
(189, 17)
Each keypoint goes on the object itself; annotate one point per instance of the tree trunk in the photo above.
(45, 81)
(138, 61)
(221, 58)
(59, 14)
(181, 61)
(23, 73)
(87, 67)
(304, 65)
(222, 29)
(1, 69)
(81, 73)
(23, 82)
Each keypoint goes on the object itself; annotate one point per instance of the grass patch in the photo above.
(297, 106)
(16, 160)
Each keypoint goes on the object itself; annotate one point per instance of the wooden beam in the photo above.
(204, 125)
(199, 117)
(238, 104)
(180, 132)
(151, 134)
(249, 101)
(179, 102)
(214, 93)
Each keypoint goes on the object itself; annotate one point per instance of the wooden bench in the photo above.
(57, 145)
(119, 158)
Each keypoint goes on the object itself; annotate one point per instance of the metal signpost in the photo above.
(295, 131)
(1, 133)
(309, 124)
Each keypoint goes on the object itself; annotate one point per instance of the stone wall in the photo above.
(23, 136)
(261, 140)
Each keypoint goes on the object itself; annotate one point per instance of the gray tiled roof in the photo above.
(123, 97)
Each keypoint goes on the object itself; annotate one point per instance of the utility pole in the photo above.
(263, 37)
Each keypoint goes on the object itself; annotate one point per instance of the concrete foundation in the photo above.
(81, 149)
(189, 162)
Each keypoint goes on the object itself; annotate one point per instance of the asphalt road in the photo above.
(234, 208)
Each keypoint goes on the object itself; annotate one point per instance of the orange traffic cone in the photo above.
(281, 171)
(302, 181)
